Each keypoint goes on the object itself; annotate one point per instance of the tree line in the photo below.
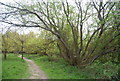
(31, 43)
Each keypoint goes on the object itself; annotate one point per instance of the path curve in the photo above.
(35, 71)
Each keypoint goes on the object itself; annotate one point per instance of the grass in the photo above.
(0, 66)
(14, 67)
(59, 69)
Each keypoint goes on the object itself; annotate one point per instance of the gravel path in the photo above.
(34, 70)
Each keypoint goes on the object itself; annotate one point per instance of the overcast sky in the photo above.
(30, 2)
(12, 1)
(6, 26)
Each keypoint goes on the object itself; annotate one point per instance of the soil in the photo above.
(34, 70)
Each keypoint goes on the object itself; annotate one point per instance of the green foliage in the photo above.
(112, 57)
(79, 44)
(0, 66)
(14, 68)
(58, 69)
(63, 70)
(100, 70)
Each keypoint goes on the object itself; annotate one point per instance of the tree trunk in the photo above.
(22, 48)
(22, 55)
(5, 56)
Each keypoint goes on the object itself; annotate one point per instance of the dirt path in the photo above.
(35, 71)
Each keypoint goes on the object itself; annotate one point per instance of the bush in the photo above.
(101, 70)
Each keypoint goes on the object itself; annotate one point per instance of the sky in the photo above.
(29, 2)
(5, 26)
(7, 0)
(12, 1)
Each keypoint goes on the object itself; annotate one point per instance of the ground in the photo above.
(34, 70)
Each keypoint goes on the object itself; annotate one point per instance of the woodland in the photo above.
(83, 37)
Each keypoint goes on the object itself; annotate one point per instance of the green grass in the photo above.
(0, 66)
(14, 68)
(59, 69)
